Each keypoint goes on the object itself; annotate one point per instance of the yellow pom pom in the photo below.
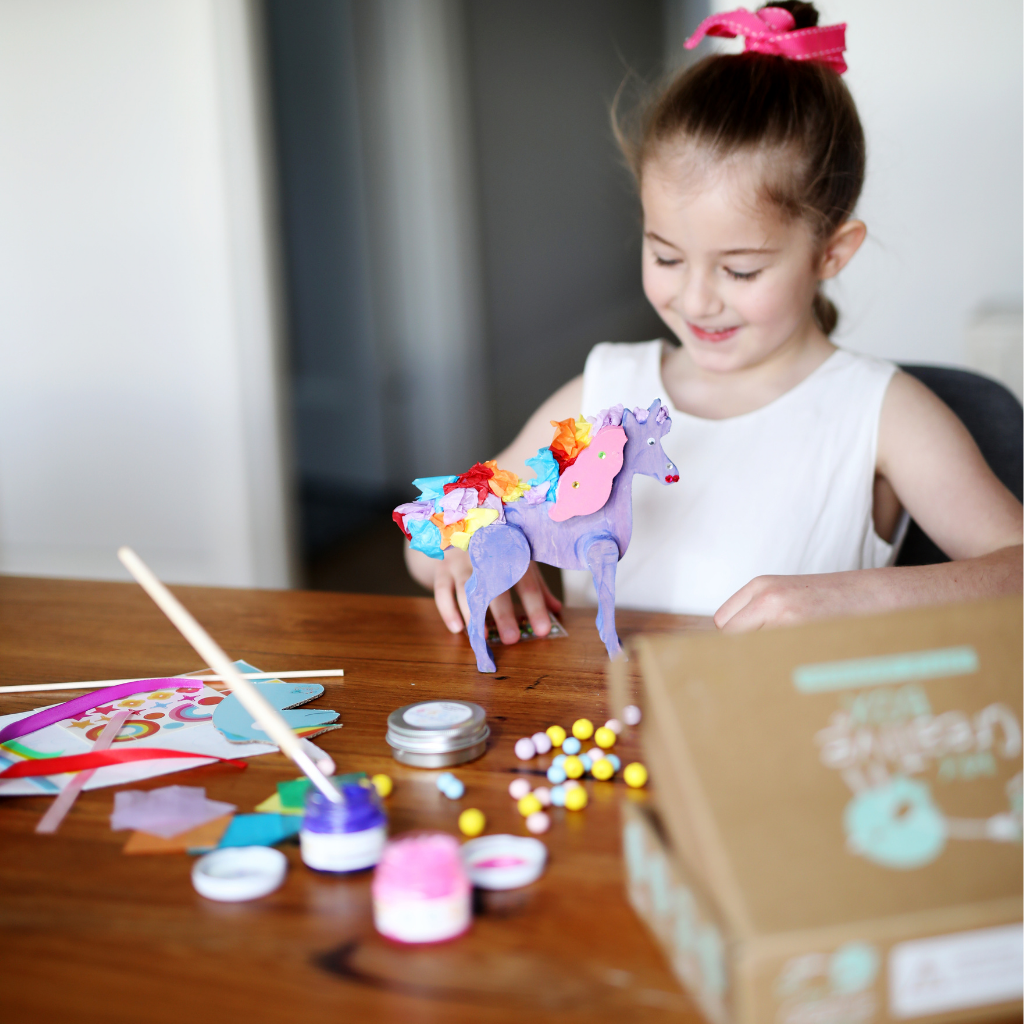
(635, 775)
(556, 734)
(583, 728)
(472, 822)
(528, 805)
(604, 738)
(383, 784)
(576, 799)
(603, 769)
(573, 767)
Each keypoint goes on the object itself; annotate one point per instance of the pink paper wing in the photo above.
(584, 487)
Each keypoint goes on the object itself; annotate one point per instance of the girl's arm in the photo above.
(943, 481)
(448, 578)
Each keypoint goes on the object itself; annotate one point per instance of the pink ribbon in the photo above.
(772, 30)
(75, 706)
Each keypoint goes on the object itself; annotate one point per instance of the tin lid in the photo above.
(503, 862)
(437, 726)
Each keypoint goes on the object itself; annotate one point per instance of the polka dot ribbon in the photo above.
(773, 30)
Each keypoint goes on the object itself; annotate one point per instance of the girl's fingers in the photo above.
(549, 599)
(444, 598)
(505, 619)
(460, 593)
(531, 590)
(733, 606)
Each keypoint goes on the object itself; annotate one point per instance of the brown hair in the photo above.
(730, 103)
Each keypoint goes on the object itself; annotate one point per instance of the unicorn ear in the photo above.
(662, 416)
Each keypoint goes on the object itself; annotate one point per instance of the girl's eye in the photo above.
(650, 440)
(665, 263)
(738, 275)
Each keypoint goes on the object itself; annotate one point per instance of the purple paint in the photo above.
(501, 553)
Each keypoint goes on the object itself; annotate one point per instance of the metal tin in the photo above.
(437, 733)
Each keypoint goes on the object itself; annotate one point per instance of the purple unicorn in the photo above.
(501, 552)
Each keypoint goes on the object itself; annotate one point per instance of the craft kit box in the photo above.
(836, 835)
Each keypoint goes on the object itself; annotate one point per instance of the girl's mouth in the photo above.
(719, 334)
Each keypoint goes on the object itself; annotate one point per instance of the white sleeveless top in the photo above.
(784, 490)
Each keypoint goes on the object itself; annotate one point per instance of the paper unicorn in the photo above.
(576, 514)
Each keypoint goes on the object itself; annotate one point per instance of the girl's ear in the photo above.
(840, 248)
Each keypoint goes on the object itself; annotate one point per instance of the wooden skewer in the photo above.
(98, 684)
(270, 720)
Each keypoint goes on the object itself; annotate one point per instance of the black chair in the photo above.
(995, 420)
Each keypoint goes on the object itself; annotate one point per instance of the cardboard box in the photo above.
(841, 809)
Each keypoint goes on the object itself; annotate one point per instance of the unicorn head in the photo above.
(644, 430)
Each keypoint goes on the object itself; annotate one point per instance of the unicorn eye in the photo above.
(650, 440)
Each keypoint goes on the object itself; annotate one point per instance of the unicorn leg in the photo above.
(602, 558)
(500, 555)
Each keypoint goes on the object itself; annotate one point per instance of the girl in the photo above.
(797, 460)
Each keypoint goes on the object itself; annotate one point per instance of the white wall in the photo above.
(938, 87)
(138, 337)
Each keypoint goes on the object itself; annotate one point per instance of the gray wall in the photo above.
(538, 225)
(560, 221)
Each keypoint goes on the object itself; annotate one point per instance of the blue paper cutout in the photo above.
(237, 724)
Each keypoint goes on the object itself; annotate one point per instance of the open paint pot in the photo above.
(346, 836)
(420, 889)
(437, 733)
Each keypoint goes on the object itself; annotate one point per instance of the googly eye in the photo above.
(650, 440)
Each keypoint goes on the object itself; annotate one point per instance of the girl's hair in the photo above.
(798, 114)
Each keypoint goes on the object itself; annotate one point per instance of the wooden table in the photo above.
(92, 934)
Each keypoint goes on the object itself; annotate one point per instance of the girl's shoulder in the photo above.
(623, 372)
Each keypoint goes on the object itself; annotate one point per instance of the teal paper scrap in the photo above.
(260, 829)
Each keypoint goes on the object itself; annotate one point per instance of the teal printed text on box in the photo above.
(890, 668)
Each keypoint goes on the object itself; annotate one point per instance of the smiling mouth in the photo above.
(716, 334)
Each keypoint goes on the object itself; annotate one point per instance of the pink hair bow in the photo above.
(772, 30)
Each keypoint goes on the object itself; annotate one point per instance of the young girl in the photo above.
(796, 459)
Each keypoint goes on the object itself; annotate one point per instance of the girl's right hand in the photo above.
(448, 580)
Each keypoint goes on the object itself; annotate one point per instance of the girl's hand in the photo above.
(785, 600)
(448, 580)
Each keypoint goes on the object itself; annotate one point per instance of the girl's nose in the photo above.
(699, 297)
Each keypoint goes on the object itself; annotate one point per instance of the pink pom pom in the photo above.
(525, 750)
(538, 823)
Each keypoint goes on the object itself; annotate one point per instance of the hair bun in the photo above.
(805, 15)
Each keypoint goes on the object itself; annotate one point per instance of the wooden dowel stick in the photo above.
(270, 720)
(98, 684)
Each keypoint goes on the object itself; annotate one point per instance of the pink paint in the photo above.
(585, 486)
(420, 889)
(500, 862)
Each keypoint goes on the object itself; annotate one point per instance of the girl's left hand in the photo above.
(786, 600)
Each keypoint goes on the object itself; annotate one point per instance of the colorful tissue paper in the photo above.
(432, 486)
(292, 793)
(165, 812)
(478, 477)
(571, 437)
(260, 829)
(200, 839)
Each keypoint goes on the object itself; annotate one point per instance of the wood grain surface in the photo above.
(91, 934)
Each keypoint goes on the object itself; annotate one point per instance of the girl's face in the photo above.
(734, 280)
